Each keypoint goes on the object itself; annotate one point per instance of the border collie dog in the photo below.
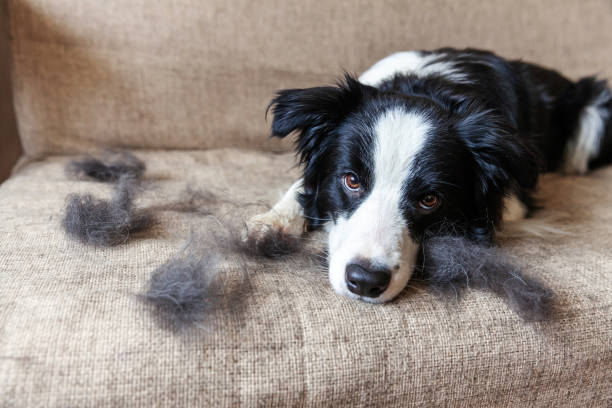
(425, 143)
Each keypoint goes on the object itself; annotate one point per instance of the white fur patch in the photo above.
(376, 231)
(586, 142)
(411, 62)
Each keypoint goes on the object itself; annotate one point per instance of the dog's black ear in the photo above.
(502, 161)
(315, 112)
(315, 115)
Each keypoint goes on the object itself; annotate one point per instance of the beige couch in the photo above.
(186, 83)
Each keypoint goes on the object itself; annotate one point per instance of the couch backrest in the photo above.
(10, 146)
(199, 74)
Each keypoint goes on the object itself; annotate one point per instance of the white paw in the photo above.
(272, 221)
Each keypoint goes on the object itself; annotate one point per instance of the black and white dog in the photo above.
(449, 141)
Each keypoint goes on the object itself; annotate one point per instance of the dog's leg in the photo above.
(286, 216)
(516, 225)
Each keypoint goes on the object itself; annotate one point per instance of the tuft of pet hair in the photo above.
(190, 287)
(452, 263)
(272, 244)
(183, 289)
(100, 222)
(107, 169)
(193, 201)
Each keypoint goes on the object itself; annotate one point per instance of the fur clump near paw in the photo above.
(272, 244)
(107, 169)
(452, 263)
(100, 222)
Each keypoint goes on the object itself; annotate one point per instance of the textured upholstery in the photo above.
(193, 75)
(199, 74)
(73, 333)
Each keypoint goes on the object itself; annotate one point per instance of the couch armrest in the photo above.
(10, 145)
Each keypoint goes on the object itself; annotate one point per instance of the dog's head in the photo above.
(382, 170)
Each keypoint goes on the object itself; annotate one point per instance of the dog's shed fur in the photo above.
(108, 168)
(190, 285)
(101, 222)
(451, 264)
(184, 289)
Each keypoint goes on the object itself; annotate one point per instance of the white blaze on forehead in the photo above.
(412, 63)
(399, 136)
(377, 231)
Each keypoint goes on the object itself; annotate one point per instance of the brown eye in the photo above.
(429, 202)
(351, 181)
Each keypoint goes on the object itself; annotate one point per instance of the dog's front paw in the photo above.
(271, 221)
(272, 235)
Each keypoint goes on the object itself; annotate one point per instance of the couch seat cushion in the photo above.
(73, 331)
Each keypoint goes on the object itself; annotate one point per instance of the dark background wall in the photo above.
(10, 146)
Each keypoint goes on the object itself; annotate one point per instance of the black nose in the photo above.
(365, 280)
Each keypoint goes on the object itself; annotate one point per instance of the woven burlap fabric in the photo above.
(73, 333)
(199, 74)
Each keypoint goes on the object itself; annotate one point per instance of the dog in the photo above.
(426, 143)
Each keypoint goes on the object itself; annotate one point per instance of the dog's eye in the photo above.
(429, 202)
(351, 181)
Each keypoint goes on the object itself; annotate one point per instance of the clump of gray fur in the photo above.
(452, 263)
(108, 169)
(188, 289)
(184, 289)
(273, 245)
(106, 222)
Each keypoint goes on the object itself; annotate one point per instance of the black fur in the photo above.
(451, 264)
(493, 134)
(106, 222)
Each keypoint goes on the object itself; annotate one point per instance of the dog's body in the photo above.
(428, 143)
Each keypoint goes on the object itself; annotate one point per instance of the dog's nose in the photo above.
(365, 280)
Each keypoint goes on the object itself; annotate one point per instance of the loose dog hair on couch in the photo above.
(191, 286)
(450, 264)
(274, 245)
(109, 168)
(184, 289)
(101, 222)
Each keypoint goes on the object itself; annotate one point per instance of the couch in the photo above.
(184, 84)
